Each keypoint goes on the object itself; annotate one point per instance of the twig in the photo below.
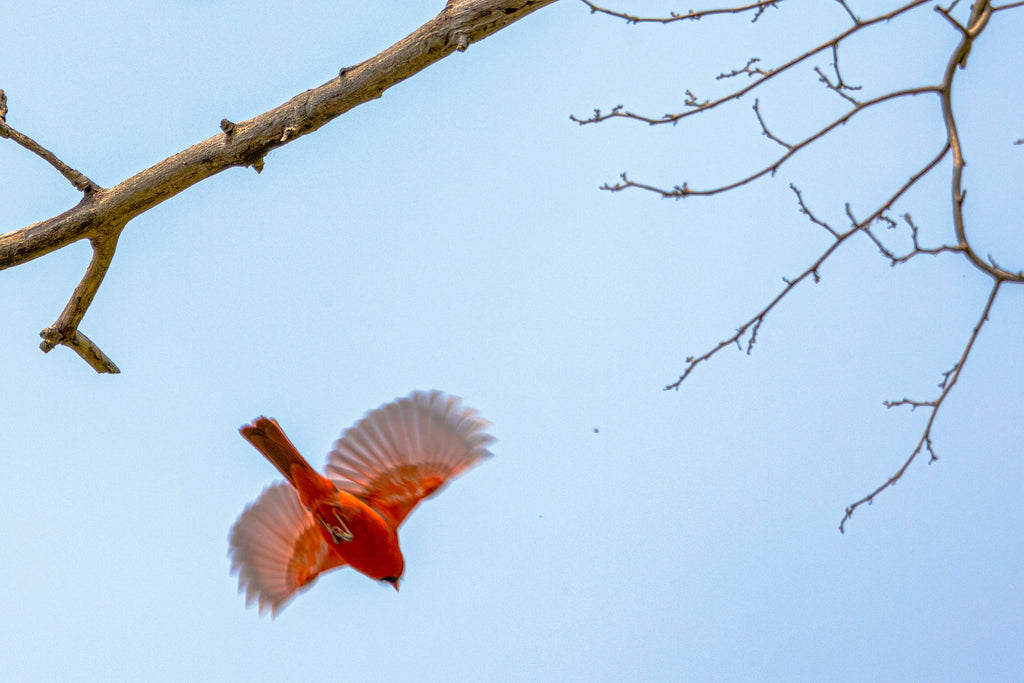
(749, 70)
(757, 7)
(620, 112)
(953, 22)
(764, 128)
(925, 442)
(754, 324)
(849, 11)
(810, 271)
(76, 178)
(839, 87)
(807, 212)
(684, 190)
(918, 250)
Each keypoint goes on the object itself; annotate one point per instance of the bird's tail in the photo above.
(266, 435)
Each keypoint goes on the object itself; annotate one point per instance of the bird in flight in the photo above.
(378, 471)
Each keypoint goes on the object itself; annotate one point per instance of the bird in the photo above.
(377, 473)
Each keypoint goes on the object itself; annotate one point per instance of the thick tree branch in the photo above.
(979, 19)
(103, 212)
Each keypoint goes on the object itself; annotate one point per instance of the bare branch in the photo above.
(958, 59)
(749, 70)
(992, 260)
(914, 405)
(764, 128)
(917, 250)
(620, 112)
(76, 178)
(849, 11)
(65, 330)
(839, 87)
(757, 7)
(949, 17)
(925, 442)
(103, 213)
(754, 324)
(684, 190)
(692, 101)
(812, 270)
(839, 77)
(807, 212)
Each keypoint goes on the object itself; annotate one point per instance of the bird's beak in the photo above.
(395, 584)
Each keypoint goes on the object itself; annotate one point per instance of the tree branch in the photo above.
(65, 331)
(76, 178)
(684, 190)
(693, 15)
(980, 16)
(980, 13)
(620, 112)
(925, 442)
(754, 324)
(104, 212)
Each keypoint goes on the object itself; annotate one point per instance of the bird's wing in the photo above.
(404, 451)
(277, 549)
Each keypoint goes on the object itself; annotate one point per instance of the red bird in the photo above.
(379, 470)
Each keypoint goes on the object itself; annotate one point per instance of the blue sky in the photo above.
(451, 235)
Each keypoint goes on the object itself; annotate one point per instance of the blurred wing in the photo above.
(277, 549)
(406, 450)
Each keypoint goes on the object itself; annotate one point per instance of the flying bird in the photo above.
(378, 471)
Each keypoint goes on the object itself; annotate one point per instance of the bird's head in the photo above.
(393, 568)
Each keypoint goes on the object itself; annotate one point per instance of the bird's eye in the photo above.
(390, 579)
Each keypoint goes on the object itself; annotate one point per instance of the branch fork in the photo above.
(980, 14)
(103, 213)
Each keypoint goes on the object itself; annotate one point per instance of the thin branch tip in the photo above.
(949, 380)
(757, 8)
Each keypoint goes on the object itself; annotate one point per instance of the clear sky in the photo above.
(451, 235)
